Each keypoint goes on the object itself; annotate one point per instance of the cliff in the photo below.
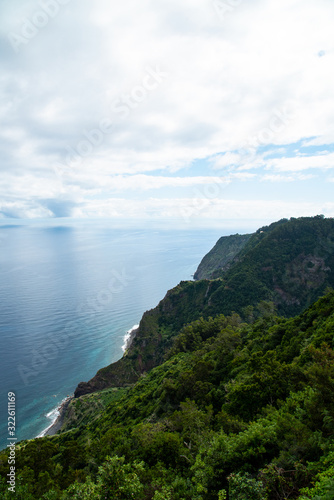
(289, 263)
(224, 251)
(235, 408)
(227, 406)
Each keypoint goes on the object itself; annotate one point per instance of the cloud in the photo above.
(286, 178)
(224, 88)
(59, 207)
(23, 210)
(299, 163)
(319, 141)
(186, 210)
(150, 182)
(273, 159)
(243, 176)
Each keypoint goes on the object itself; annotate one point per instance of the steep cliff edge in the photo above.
(154, 336)
(224, 251)
(229, 396)
(289, 263)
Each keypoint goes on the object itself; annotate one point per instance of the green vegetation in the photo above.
(221, 255)
(236, 406)
(237, 411)
(82, 411)
(289, 263)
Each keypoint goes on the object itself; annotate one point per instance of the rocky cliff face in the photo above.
(290, 263)
(221, 255)
(154, 337)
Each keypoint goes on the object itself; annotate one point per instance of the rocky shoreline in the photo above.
(58, 423)
(122, 372)
(130, 336)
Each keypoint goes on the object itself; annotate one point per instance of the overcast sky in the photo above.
(190, 110)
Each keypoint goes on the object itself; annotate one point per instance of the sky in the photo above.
(192, 111)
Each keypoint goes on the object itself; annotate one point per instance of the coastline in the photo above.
(56, 425)
(128, 338)
(60, 411)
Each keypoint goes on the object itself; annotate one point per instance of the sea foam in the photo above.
(127, 337)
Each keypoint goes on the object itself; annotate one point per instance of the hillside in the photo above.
(223, 394)
(237, 411)
(289, 263)
(224, 251)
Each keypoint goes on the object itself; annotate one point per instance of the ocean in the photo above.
(69, 293)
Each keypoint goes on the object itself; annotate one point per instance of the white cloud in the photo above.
(187, 210)
(251, 79)
(249, 160)
(146, 182)
(243, 176)
(286, 178)
(299, 163)
(226, 160)
(319, 141)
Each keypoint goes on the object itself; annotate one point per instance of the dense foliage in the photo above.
(236, 406)
(238, 411)
(224, 251)
(290, 263)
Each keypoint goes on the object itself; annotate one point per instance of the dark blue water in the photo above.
(68, 294)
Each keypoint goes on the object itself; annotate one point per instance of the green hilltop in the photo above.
(289, 263)
(224, 251)
(227, 391)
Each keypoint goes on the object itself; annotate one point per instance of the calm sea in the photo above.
(69, 292)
